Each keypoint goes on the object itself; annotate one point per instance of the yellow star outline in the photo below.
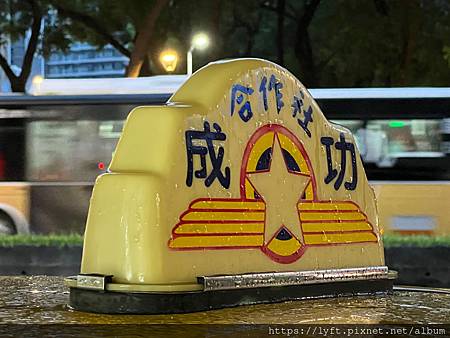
(281, 191)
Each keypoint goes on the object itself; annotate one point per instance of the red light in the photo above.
(101, 165)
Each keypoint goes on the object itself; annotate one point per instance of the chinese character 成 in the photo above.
(216, 159)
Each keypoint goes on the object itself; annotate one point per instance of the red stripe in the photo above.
(225, 210)
(337, 221)
(186, 221)
(220, 234)
(330, 211)
(336, 232)
(215, 247)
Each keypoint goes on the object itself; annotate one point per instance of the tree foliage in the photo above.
(382, 43)
(128, 26)
(326, 43)
(17, 17)
(339, 43)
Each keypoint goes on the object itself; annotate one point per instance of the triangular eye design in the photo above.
(266, 156)
(283, 235)
(290, 161)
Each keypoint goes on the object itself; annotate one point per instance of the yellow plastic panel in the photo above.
(239, 173)
(127, 228)
(152, 133)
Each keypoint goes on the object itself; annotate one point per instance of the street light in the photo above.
(169, 59)
(199, 41)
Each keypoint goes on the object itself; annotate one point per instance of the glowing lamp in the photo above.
(200, 41)
(169, 59)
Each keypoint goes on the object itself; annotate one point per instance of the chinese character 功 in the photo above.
(237, 96)
(343, 146)
(274, 85)
(216, 159)
(297, 109)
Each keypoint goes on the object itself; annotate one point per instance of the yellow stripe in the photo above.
(335, 206)
(255, 205)
(258, 149)
(331, 216)
(216, 241)
(284, 248)
(352, 237)
(249, 191)
(224, 216)
(341, 226)
(218, 228)
(231, 204)
(309, 192)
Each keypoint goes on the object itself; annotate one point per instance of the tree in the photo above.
(144, 38)
(301, 13)
(364, 43)
(325, 43)
(354, 43)
(303, 45)
(17, 17)
(127, 26)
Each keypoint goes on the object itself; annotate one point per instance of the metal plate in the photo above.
(93, 281)
(258, 280)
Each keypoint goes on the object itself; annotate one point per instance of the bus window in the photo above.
(108, 136)
(70, 150)
(371, 143)
(110, 129)
(383, 142)
(410, 138)
(352, 125)
(12, 142)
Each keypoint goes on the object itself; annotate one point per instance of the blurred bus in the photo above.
(51, 150)
(54, 144)
(57, 139)
(403, 135)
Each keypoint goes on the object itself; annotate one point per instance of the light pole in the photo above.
(199, 41)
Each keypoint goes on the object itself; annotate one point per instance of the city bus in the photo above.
(51, 150)
(403, 135)
(54, 143)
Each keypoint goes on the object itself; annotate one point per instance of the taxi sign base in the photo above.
(110, 302)
(341, 283)
(237, 191)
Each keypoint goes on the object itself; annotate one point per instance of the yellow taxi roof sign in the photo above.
(239, 172)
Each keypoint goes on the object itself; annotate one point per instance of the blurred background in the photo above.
(339, 43)
(70, 71)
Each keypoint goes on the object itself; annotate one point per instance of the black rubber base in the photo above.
(182, 302)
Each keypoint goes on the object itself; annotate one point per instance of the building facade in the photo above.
(14, 51)
(86, 61)
(81, 61)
